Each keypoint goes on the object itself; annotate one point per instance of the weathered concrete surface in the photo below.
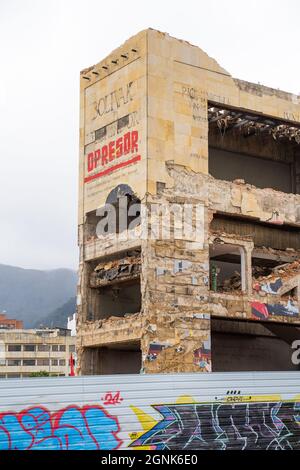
(144, 123)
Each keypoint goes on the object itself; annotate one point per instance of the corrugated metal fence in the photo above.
(171, 411)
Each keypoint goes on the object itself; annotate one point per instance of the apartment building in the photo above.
(203, 271)
(24, 352)
(9, 323)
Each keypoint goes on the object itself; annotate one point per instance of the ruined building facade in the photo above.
(171, 136)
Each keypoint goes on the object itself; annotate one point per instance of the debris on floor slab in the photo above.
(120, 270)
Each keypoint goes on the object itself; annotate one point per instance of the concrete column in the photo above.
(246, 266)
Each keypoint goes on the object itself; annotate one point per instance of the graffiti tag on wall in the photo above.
(222, 426)
(114, 100)
(72, 428)
(237, 425)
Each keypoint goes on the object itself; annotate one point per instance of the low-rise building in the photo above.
(25, 352)
(9, 323)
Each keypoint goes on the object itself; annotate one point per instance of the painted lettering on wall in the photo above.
(236, 422)
(218, 98)
(129, 121)
(111, 398)
(242, 426)
(109, 157)
(292, 116)
(114, 100)
(72, 428)
(198, 102)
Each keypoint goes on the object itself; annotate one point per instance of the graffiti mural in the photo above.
(222, 426)
(152, 412)
(72, 428)
(264, 311)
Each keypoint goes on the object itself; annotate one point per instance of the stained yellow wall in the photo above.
(111, 90)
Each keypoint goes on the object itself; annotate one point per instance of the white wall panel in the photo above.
(173, 411)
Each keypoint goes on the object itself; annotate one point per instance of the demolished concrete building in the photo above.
(172, 137)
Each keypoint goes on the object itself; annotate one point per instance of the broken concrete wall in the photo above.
(173, 326)
(237, 198)
(116, 271)
(162, 88)
(177, 335)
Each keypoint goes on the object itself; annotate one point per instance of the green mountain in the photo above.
(31, 295)
(59, 316)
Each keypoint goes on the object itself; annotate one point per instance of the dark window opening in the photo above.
(29, 347)
(115, 287)
(28, 362)
(122, 211)
(281, 237)
(124, 214)
(240, 346)
(226, 268)
(43, 362)
(13, 362)
(262, 173)
(14, 348)
(116, 300)
(259, 150)
(43, 347)
(121, 358)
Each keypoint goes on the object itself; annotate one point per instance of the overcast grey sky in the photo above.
(45, 43)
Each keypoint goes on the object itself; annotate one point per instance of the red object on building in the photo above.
(72, 364)
(10, 324)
